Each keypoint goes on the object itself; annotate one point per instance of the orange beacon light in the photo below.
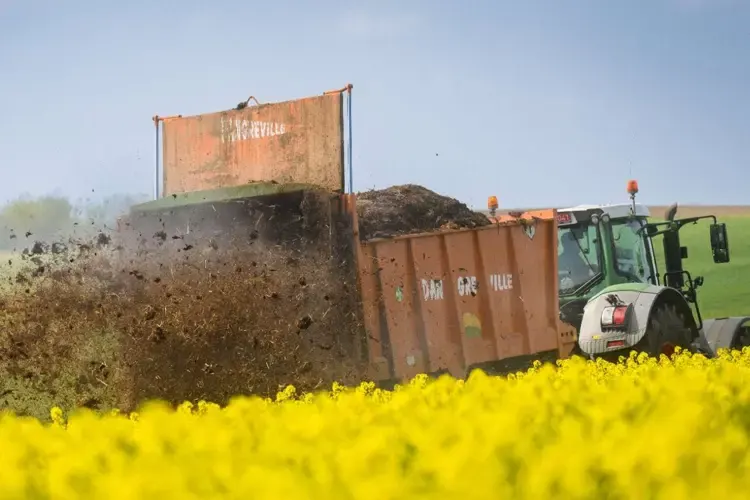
(492, 204)
(632, 187)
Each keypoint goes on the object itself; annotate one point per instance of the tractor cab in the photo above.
(602, 245)
(599, 246)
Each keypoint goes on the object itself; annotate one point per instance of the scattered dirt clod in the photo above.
(305, 322)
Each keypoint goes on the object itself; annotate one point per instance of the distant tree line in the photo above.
(55, 218)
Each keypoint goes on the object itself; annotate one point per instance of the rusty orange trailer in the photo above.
(435, 302)
(453, 300)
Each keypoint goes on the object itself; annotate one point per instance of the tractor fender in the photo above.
(644, 298)
(724, 333)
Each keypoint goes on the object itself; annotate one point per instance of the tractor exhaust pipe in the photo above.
(671, 212)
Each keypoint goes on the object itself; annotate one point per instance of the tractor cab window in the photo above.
(579, 256)
(631, 253)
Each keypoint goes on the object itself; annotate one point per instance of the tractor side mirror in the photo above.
(719, 243)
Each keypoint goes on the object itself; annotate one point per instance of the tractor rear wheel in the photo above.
(742, 338)
(666, 329)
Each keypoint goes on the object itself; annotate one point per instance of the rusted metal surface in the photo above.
(298, 141)
(456, 299)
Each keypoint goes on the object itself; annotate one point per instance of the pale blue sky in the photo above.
(538, 102)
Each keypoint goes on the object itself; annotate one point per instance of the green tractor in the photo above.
(611, 290)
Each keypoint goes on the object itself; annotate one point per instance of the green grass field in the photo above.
(726, 290)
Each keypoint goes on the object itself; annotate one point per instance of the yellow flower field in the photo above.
(643, 429)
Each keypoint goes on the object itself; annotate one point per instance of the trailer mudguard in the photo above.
(726, 333)
(592, 340)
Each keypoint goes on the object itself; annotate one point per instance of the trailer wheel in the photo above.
(666, 330)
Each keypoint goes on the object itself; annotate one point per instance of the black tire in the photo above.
(666, 329)
(742, 337)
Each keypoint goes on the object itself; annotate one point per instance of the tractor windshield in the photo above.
(631, 253)
(579, 256)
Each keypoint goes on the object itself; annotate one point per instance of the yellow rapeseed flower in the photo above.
(644, 428)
